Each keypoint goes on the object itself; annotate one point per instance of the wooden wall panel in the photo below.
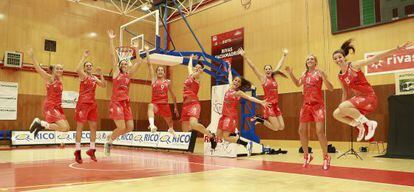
(301, 26)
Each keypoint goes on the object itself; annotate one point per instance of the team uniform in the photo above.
(86, 108)
(52, 107)
(160, 98)
(228, 120)
(313, 107)
(365, 99)
(271, 95)
(120, 107)
(191, 104)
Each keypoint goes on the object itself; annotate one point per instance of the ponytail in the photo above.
(51, 68)
(245, 85)
(345, 48)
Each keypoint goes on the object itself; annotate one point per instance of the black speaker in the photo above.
(309, 150)
(50, 45)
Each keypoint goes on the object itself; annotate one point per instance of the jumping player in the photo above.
(272, 117)
(313, 107)
(191, 105)
(120, 107)
(52, 107)
(229, 119)
(352, 111)
(159, 102)
(86, 108)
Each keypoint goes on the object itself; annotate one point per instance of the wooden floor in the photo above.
(53, 169)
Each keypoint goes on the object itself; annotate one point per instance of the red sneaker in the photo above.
(78, 157)
(326, 162)
(307, 159)
(91, 153)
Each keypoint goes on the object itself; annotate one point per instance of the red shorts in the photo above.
(53, 113)
(190, 109)
(364, 104)
(162, 109)
(273, 111)
(120, 110)
(312, 113)
(86, 112)
(227, 124)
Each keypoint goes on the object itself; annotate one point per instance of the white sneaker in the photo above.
(372, 125)
(361, 133)
(326, 162)
(249, 148)
(153, 129)
(307, 158)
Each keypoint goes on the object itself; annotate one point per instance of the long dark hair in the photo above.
(119, 65)
(245, 85)
(274, 73)
(51, 68)
(345, 47)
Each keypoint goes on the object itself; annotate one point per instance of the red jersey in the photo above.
(54, 93)
(230, 103)
(191, 87)
(87, 90)
(312, 88)
(270, 90)
(120, 88)
(356, 82)
(160, 91)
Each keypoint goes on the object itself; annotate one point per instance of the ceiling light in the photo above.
(92, 34)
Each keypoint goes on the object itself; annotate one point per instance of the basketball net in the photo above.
(125, 53)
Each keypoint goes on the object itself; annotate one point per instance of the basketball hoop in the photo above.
(125, 53)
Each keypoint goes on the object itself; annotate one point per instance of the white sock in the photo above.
(362, 119)
(44, 124)
(92, 145)
(151, 121)
(78, 146)
(171, 128)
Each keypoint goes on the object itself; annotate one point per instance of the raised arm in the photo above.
(174, 98)
(79, 69)
(115, 69)
(259, 75)
(282, 60)
(101, 80)
(230, 75)
(297, 82)
(325, 80)
(138, 61)
(38, 68)
(190, 65)
(360, 63)
(150, 67)
(252, 99)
